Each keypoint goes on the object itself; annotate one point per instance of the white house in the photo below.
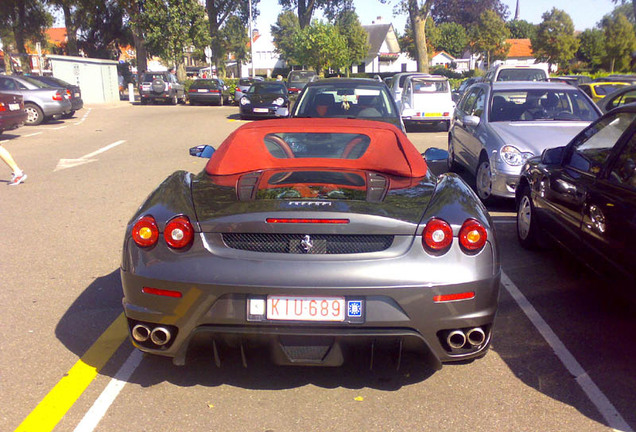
(384, 51)
(266, 59)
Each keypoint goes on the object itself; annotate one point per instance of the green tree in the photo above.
(357, 48)
(71, 22)
(591, 48)
(555, 42)
(218, 13)
(306, 8)
(627, 2)
(172, 26)
(465, 12)
(321, 46)
(452, 38)
(22, 22)
(284, 35)
(521, 29)
(102, 29)
(620, 42)
(236, 41)
(488, 37)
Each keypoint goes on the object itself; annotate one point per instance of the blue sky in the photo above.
(584, 13)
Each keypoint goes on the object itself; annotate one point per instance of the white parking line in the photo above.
(613, 418)
(96, 412)
(88, 111)
(596, 396)
(33, 134)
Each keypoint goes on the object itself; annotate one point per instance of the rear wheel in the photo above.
(174, 100)
(221, 101)
(35, 116)
(483, 180)
(527, 229)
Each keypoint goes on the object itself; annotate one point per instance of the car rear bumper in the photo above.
(406, 316)
(54, 108)
(204, 97)
(11, 120)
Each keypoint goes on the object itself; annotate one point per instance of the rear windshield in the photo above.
(246, 81)
(314, 184)
(203, 83)
(421, 85)
(317, 145)
(522, 75)
(148, 77)
(605, 89)
(301, 76)
(267, 88)
(36, 82)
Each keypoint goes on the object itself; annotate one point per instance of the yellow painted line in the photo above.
(61, 398)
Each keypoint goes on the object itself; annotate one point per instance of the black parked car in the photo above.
(207, 91)
(583, 195)
(265, 99)
(73, 92)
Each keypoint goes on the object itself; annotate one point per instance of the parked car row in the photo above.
(44, 97)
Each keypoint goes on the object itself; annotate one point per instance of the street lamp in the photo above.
(251, 40)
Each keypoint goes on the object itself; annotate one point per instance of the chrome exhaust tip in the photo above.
(140, 333)
(476, 336)
(160, 336)
(456, 339)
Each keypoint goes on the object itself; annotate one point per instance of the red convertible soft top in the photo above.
(389, 150)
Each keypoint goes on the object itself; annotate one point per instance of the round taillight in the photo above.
(472, 235)
(179, 232)
(145, 232)
(437, 235)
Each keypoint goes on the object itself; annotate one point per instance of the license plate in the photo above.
(202, 90)
(261, 110)
(432, 114)
(77, 95)
(306, 308)
(14, 107)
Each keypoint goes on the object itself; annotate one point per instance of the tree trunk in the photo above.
(71, 31)
(142, 54)
(305, 11)
(8, 67)
(418, 24)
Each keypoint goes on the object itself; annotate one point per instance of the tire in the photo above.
(158, 86)
(527, 224)
(144, 101)
(35, 116)
(221, 101)
(174, 100)
(69, 114)
(483, 182)
(451, 162)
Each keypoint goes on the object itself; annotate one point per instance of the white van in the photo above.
(427, 100)
(504, 72)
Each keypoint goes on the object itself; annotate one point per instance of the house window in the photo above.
(404, 67)
(362, 67)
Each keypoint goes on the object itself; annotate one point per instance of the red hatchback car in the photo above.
(12, 114)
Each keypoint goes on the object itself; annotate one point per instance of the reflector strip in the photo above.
(308, 221)
(454, 297)
(161, 292)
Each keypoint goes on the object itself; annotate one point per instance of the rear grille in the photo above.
(308, 244)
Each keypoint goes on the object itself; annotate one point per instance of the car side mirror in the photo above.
(552, 156)
(202, 151)
(435, 154)
(471, 120)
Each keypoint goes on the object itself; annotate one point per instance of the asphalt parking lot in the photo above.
(562, 358)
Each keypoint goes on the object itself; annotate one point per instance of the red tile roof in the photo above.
(520, 48)
(56, 35)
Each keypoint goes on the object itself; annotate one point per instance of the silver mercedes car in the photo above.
(498, 126)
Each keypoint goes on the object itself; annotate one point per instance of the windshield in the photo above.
(422, 85)
(344, 100)
(36, 82)
(203, 83)
(317, 145)
(301, 77)
(522, 75)
(530, 105)
(267, 88)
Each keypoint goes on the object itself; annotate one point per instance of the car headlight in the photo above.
(279, 101)
(245, 101)
(512, 156)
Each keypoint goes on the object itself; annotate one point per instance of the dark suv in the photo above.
(161, 86)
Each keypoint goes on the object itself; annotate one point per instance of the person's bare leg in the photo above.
(8, 159)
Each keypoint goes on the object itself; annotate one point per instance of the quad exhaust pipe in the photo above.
(158, 336)
(456, 339)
